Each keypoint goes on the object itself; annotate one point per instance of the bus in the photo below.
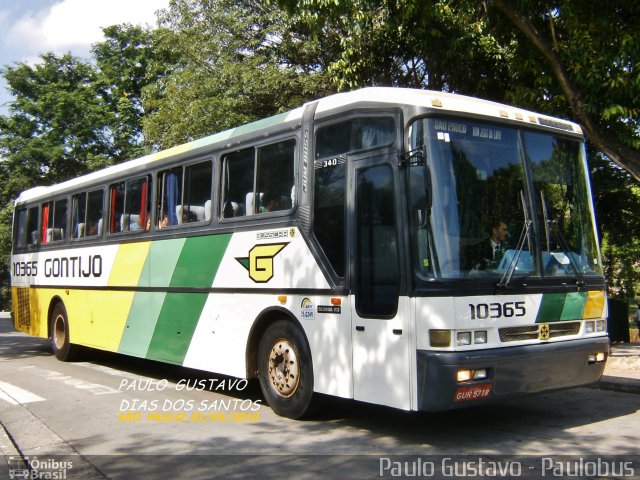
(340, 249)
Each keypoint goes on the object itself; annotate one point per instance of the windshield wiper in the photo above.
(508, 274)
(560, 239)
(567, 252)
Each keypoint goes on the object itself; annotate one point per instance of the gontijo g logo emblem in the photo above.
(259, 263)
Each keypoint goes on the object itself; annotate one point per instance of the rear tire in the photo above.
(60, 341)
(285, 370)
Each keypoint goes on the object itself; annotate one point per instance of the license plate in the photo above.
(473, 392)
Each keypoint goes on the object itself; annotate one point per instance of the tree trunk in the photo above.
(624, 156)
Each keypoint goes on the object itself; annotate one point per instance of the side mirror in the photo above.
(420, 185)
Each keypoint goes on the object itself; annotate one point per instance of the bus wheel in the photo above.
(284, 370)
(60, 344)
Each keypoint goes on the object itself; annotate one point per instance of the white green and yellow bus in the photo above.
(341, 248)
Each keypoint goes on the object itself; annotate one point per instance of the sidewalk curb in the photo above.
(618, 384)
(7, 450)
(28, 436)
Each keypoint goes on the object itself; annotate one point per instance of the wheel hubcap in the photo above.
(58, 332)
(284, 372)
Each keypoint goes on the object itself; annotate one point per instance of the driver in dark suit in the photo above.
(489, 252)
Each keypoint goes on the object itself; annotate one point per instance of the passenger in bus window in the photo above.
(271, 201)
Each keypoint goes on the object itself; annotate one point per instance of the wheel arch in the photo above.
(260, 325)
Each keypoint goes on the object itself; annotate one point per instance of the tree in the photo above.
(570, 57)
(70, 116)
(127, 61)
(239, 60)
(617, 203)
(591, 53)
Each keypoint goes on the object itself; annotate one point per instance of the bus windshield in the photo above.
(484, 220)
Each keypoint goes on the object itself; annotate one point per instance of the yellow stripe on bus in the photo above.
(595, 304)
(105, 312)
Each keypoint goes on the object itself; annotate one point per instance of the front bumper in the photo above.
(511, 371)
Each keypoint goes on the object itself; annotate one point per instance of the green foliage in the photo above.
(238, 61)
(440, 45)
(70, 117)
(127, 61)
(617, 203)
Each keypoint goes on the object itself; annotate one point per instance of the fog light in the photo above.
(480, 374)
(464, 338)
(464, 375)
(480, 336)
(600, 357)
(440, 338)
(589, 327)
(601, 326)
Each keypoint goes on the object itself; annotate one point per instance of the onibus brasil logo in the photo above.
(259, 263)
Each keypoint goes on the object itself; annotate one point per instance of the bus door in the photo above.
(380, 317)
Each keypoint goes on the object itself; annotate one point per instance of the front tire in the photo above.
(60, 341)
(285, 370)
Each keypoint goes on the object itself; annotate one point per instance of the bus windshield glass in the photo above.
(483, 219)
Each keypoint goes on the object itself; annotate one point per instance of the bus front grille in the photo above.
(530, 332)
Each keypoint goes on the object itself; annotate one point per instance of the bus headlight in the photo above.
(464, 338)
(480, 374)
(589, 327)
(440, 338)
(480, 336)
(596, 357)
(601, 325)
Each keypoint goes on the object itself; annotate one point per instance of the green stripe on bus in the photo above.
(556, 307)
(196, 267)
(574, 305)
(551, 307)
(145, 309)
(199, 261)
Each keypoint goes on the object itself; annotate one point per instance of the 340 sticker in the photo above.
(481, 311)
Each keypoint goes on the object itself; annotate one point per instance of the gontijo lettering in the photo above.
(73, 267)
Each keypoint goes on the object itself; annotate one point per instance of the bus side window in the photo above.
(86, 217)
(184, 195)
(275, 176)
(130, 205)
(169, 197)
(196, 202)
(54, 221)
(238, 178)
(26, 233)
(78, 215)
(355, 134)
(94, 213)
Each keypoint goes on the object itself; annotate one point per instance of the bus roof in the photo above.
(447, 102)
